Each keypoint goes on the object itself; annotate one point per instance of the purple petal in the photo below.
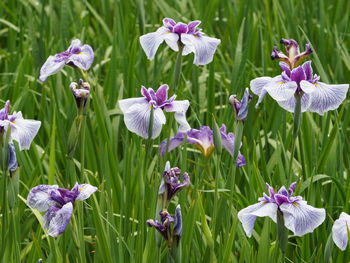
(39, 197)
(192, 26)
(12, 163)
(292, 47)
(240, 160)
(84, 190)
(168, 22)
(56, 220)
(301, 218)
(180, 28)
(298, 74)
(308, 70)
(162, 94)
(275, 54)
(203, 47)
(281, 199)
(83, 59)
(145, 93)
(51, 67)
(340, 230)
(285, 67)
(5, 111)
(271, 190)
(173, 143)
(178, 222)
(243, 110)
(292, 187)
(202, 139)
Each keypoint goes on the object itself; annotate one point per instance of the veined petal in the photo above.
(327, 97)
(39, 197)
(289, 105)
(179, 107)
(257, 86)
(340, 230)
(23, 131)
(126, 104)
(56, 220)
(203, 47)
(83, 59)
(137, 120)
(248, 215)
(301, 218)
(281, 90)
(85, 191)
(173, 143)
(51, 67)
(151, 41)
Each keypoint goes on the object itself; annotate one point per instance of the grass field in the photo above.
(111, 225)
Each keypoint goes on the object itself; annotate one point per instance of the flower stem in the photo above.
(177, 70)
(282, 233)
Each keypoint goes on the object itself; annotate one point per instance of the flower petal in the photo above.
(179, 107)
(281, 90)
(12, 163)
(173, 143)
(137, 118)
(302, 218)
(203, 47)
(248, 215)
(257, 86)
(151, 41)
(289, 105)
(56, 220)
(228, 142)
(83, 59)
(23, 131)
(85, 191)
(39, 197)
(326, 97)
(340, 230)
(126, 104)
(51, 67)
(162, 94)
(178, 222)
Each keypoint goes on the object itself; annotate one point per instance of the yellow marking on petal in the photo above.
(80, 53)
(295, 204)
(316, 84)
(281, 82)
(81, 189)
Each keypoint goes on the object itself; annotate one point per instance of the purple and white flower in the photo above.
(81, 92)
(137, 111)
(58, 204)
(12, 159)
(204, 141)
(241, 107)
(341, 231)
(77, 55)
(186, 36)
(21, 130)
(299, 217)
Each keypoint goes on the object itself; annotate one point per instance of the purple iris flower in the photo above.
(181, 35)
(77, 55)
(316, 96)
(241, 107)
(82, 93)
(341, 230)
(171, 184)
(23, 131)
(165, 225)
(299, 217)
(204, 141)
(12, 163)
(58, 204)
(137, 111)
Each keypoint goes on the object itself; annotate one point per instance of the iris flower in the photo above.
(341, 231)
(299, 217)
(316, 96)
(204, 141)
(58, 204)
(137, 111)
(12, 160)
(77, 55)
(23, 131)
(241, 107)
(186, 36)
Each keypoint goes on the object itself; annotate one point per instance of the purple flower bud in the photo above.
(172, 182)
(81, 94)
(241, 107)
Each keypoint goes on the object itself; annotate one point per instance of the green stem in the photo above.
(282, 233)
(177, 70)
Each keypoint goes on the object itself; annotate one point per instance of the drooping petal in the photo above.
(137, 119)
(151, 41)
(257, 86)
(281, 90)
(179, 107)
(85, 191)
(289, 105)
(83, 59)
(203, 47)
(23, 131)
(301, 218)
(57, 219)
(228, 142)
(340, 230)
(248, 215)
(326, 97)
(126, 104)
(39, 197)
(51, 66)
(173, 143)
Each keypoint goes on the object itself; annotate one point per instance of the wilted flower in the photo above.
(241, 107)
(293, 57)
(341, 231)
(77, 55)
(171, 184)
(180, 35)
(137, 111)
(165, 225)
(316, 96)
(58, 204)
(23, 131)
(203, 140)
(82, 93)
(299, 217)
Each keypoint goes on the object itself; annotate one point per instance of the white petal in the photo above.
(203, 47)
(85, 191)
(340, 230)
(180, 107)
(137, 120)
(302, 218)
(290, 104)
(59, 220)
(257, 86)
(280, 90)
(327, 97)
(307, 87)
(248, 215)
(39, 197)
(50, 67)
(151, 41)
(125, 104)
(23, 131)
(84, 59)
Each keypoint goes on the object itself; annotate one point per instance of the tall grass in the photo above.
(111, 225)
